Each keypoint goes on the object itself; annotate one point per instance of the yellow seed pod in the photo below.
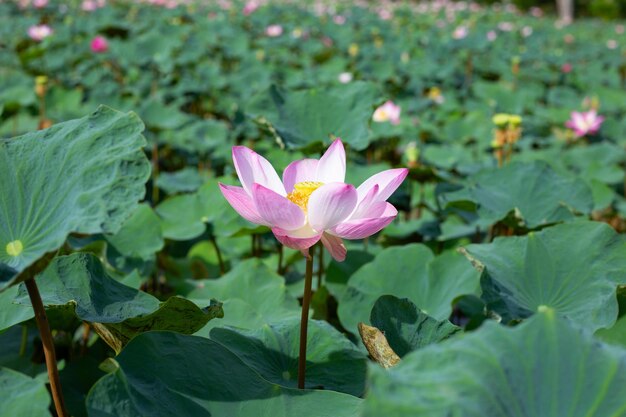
(496, 144)
(14, 248)
(434, 93)
(501, 120)
(353, 50)
(515, 120)
(40, 85)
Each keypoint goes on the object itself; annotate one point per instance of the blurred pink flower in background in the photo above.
(388, 112)
(40, 4)
(39, 32)
(91, 5)
(99, 44)
(345, 77)
(385, 14)
(492, 35)
(460, 32)
(536, 12)
(619, 29)
(250, 7)
(566, 68)
(611, 44)
(312, 202)
(506, 26)
(527, 31)
(339, 19)
(274, 30)
(569, 38)
(584, 123)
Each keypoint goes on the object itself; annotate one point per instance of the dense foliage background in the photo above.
(498, 287)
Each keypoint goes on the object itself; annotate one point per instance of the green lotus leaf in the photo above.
(118, 313)
(333, 362)
(140, 236)
(84, 176)
(23, 395)
(253, 295)
(410, 271)
(406, 327)
(199, 377)
(305, 117)
(10, 312)
(544, 367)
(558, 268)
(534, 192)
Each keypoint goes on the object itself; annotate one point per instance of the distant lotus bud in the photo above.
(99, 45)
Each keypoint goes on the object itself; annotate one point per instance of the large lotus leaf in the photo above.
(616, 335)
(333, 362)
(406, 327)
(599, 162)
(141, 235)
(542, 368)
(22, 395)
(253, 295)
(305, 117)
(412, 272)
(85, 176)
(533, 191)
(338, 273)
(117, 312)
(194, 376)
(573, 268)
(12, 313)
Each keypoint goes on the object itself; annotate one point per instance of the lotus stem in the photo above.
(304, 321)
(218, 252)
(24, 340)
(48, 347)
(320, 267)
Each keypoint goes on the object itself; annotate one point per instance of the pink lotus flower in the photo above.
(460, 32)
(339, 19)
(312, 202)
(99, 44)
(250, 7)
(39, 32)
(566, 68)
(40, 4)
(91, 5)
(274, 30)
(388, 112)
(492, 35)
(583, 123)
